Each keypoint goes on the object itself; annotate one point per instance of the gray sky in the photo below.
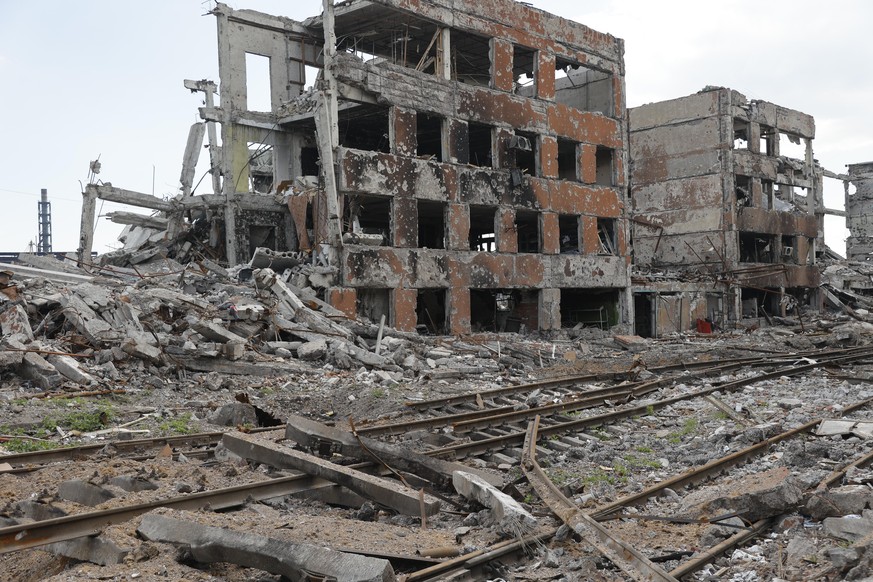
(104, 77)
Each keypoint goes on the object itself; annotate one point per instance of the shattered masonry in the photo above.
(458, 167)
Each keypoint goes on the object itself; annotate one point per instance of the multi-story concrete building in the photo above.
(727, 197)
(859, 212)
(456, 166)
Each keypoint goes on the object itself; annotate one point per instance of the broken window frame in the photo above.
(607, 234)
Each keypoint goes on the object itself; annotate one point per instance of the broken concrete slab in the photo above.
(850, 528)
(510, 516)
(84, 493)
(95, 549)
(755, 497)
(132, 483)
(37, 369)
(71, 369)
(235, 414)
(834, 427)
(295, 561)
(839, 501)
(313, 350)
(215, 332)
(14, 322)
(388, 493)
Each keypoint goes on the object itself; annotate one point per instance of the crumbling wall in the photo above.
(859, 213)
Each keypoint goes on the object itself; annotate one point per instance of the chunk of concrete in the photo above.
(89, 549)
(215, 332)
(36, 511)
(84, 493)
(511, 517)
(14, 322)
(839, 501)
(70, 369)
(235, 414)
(755, 496)
(37, 369)
(212, 544)
(132, 483)
(850, 528)
(314, 350)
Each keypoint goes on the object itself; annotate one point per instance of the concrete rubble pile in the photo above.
(63, 326)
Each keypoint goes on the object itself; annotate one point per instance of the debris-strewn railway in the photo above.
(523, 434)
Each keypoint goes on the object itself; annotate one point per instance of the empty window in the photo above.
(568, 231)
(606, 232)
(471, 59)
(260, 167)
(605, 171)
(430, 310)
(582, 88)
(590, 308)
(756, 248)
(367, 220)
(789, 249)
(527, 227)
(767, 194)
(482, 232)
(568, 160)
(431, 224)
(365, 127)
(525, 147)
(372, 304)
(429, 134)
(741, 134)
(309, 161)
(480, 138)
(523, 66)
(743, 188)
(258, 96)
(495, 309)
(792, 146)
(768, 140)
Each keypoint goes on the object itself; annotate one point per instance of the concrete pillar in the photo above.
(402, 131)
(551, 233)
(588, 163)
(549, 308)
(501, 52)
(548, 162)
(459, 310)
(545, 75)
(405, 303)
(458, 227)
(590, 235)
(507, 237)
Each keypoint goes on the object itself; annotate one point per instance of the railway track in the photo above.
(476, 432)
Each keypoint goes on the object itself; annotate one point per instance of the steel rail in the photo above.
(629, 559)
(516, 438)
(564, 380)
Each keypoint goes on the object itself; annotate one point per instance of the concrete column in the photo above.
(458, 227)
(405, 222)
(402, 131)
(548, 162)
(590, 235)
(549, 307)
(405, 303)
(545, 75)
(551, 233)
(343, 298)
(507, 237)
(501, 52)
(459, 309)
(588, 163)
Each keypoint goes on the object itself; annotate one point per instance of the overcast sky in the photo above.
(104, 78)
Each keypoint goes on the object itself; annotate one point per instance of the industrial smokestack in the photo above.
(44, 242)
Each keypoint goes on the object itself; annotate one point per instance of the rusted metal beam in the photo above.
(622, 554)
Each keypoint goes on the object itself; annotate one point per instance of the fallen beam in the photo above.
(390, 494)
(631, 561)
(318, 437)
(294, 561)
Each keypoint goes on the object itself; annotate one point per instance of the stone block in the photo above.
(84, 493)
(511, 517)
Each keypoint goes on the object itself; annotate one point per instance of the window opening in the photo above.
(482, 232)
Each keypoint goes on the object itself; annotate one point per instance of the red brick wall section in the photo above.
(459, 227)
(459, 308)
(549, 156)
(405, 222)
(405, 301)
(546, 76)
(345, 299)
(402, 129)
(501, 64)
(551, 234)
(507, 237)
(588, 163)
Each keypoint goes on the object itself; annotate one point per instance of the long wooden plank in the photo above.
(390, 494)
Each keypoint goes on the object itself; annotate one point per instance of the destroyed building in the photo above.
(456, 167)
(859, 212)
(727, 200)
